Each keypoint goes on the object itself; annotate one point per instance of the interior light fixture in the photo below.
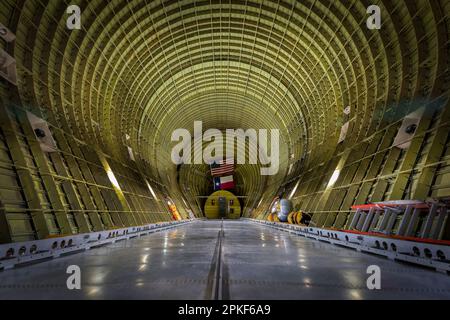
(151, 190)
(113, 179)
(334, 178)
(260, 201)
(294, 190)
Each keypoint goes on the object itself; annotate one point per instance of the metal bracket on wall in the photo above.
(6, 34)
(8, 67)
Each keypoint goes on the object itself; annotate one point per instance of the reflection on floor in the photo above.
(258, 263)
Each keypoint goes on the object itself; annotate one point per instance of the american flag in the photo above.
(222, 167)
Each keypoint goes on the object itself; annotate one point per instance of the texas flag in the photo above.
(224, 183)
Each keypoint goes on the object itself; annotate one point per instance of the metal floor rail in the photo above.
(424, 254)
(15, 254)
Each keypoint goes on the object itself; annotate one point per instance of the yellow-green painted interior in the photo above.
(142, 68)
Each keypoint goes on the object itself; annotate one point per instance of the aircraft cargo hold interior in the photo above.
(224, 150)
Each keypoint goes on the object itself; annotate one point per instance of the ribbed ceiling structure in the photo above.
(145, 68)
